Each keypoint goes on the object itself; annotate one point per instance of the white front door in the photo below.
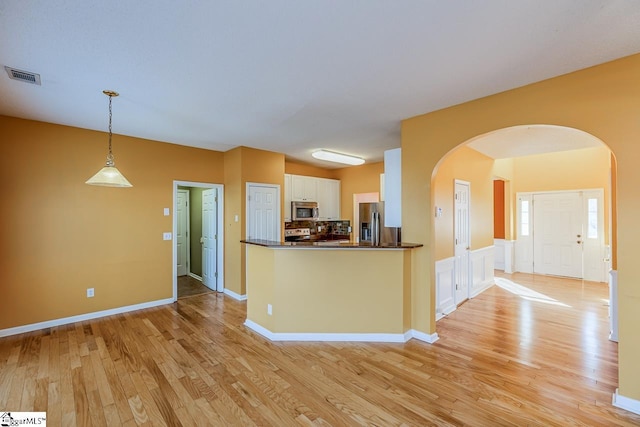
(462, 242)
(263, 212)
(209, 236)
(182, 242)
(595, 258)
(558, 235)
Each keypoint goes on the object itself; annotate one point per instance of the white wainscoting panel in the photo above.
(482, 263)
(445, 287)
(498, 244)
(509, 255)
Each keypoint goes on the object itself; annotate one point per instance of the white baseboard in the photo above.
(195, 276)
(82, 317)
(355, 337)
(481, 287)
(422, 336)
(625, 403)
(235, 295)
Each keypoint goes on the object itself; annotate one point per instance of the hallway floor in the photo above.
(189, 286)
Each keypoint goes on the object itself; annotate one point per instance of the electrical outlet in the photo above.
(269, 309)
(90, 293)
(166, 236)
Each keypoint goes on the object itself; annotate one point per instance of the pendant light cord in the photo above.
(110, 161)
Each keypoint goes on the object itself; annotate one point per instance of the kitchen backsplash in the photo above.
(322, 228)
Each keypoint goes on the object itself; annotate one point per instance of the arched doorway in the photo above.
(542, 161)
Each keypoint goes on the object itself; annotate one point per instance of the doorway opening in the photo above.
(198, 249)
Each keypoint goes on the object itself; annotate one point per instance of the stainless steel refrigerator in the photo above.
(372, 229)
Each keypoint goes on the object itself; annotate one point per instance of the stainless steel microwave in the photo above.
(301, 211)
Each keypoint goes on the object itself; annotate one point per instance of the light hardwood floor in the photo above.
(502, 359)
(189, 286)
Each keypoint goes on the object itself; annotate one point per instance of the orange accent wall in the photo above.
(498, 209)
(61, 236)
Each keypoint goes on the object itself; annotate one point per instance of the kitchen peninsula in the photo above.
(329, 292)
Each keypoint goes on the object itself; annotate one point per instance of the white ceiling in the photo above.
(287, 75)
(519, 141)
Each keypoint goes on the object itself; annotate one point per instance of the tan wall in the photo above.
(61, 236)
(477, 169)
(603, 101)
(355, 180)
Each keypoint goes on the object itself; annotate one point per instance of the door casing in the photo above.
(219, 226)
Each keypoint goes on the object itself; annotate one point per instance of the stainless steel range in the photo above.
(297, 234)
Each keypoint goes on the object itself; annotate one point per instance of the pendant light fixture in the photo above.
(109, 176)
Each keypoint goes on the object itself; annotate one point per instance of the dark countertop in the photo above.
(328, 244)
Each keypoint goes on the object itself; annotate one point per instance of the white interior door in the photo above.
(182, 239)
(462, 243)
(263, 212)
(558, 235)
(209, 237)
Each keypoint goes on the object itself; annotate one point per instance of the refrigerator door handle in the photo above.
(375, 240)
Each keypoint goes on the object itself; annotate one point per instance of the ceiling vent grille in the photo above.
(23, 76)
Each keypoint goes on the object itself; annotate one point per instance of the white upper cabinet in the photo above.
(393, 188)
(287, 197)
(299, 188)
(304, 188)
(329, 199)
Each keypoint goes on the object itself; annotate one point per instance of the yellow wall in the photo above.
(467, 165)
(294, 168)
(355, 180)
(243, 165)
(603, 101)
(61, 236)
(568, 170)
(339, 299)
(234, 230)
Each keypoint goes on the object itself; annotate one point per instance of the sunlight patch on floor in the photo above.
(526, 293)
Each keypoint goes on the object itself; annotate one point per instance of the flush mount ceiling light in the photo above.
(109, 176)
(332, 156)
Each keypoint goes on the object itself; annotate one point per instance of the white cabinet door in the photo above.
(329, 199)
(304, 188)
(287, 197)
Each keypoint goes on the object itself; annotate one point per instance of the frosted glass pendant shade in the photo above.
(109, 176)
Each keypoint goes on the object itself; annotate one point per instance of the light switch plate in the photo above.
(166, 236)
(166, 211)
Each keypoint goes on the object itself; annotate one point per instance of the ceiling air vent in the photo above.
(23, 76)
